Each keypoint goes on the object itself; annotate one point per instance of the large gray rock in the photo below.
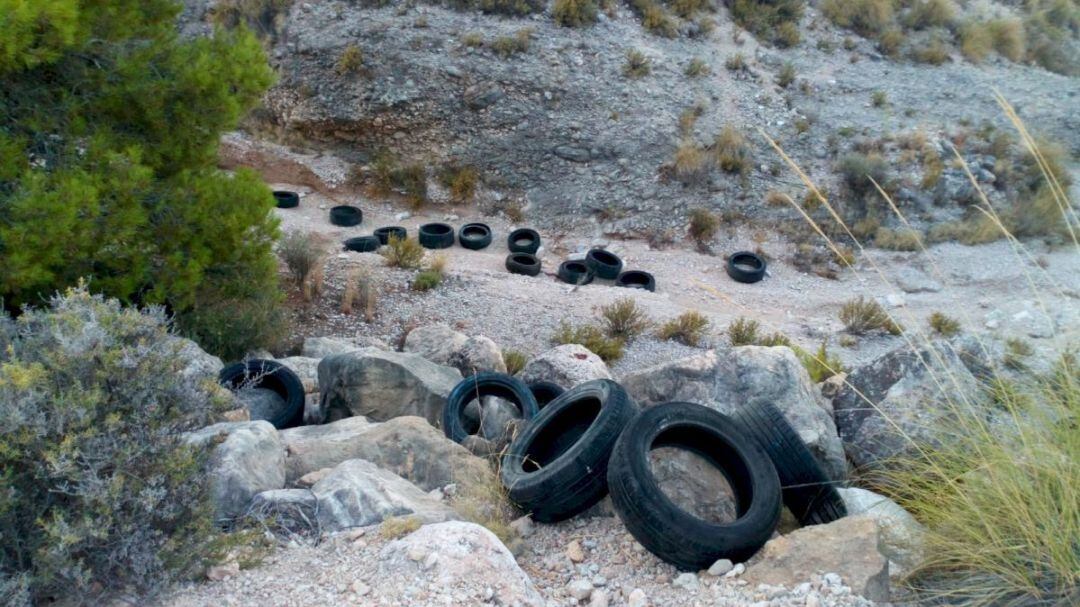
(357, 493)
(444, 346)
(261, 403)
(567, 365)
(901, 534)
(382, 385)
(321, 347)
(307, 369)
(847, 547)
(407, 446)
(477, 354)
(290, 509)
(742, 376)
(901, 397)
(247, 458)
(197, 362)
(463, 556)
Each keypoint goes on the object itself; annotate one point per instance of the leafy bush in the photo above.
(127, 191)
(690, 328)
(703, 226)
(861, 315)
(574, 13)
(624, 319)
(637, 64)
(405, 253)
(743, 332)
(100, 492)
(592, 337)
(944, 325)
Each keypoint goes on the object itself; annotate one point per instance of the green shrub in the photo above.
(743, 332)
(867, 17)
(819, 365)
(944, 325)
(427, 280)
(403, 253)
(127, 192)
(515, 361)
(774, 21)
(574, 13)
(690, 328)
(351, 60)
(593, 338)
(637, 64)
(232, 322)
(624, 319)
(858, 170)
(508, 46)
(101, 494)
(861, 315)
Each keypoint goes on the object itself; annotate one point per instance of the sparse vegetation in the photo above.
(473, 39)
(624, 319)
(859, 171)
(508, 46)
(399, 526)
(867, 17)
(943, 325)
(404, 253)
(935, 51)
(427, 280)
(574, 13)
(903, 239)
(350, 61)
(690, 328)
(301, 252)
(637, 64)
(736, 63)
(697, 67)
(925, 14)
(691, 162)
(743, 332)
(879, 99)
(593, 338)
(408, 180)
(514, 360)
(731, 151)
(820, 365)
(774, 21)
(703, 226)
(361, 292)
(461, 180)
(1016, 352)
(861, 315)
(786, 76)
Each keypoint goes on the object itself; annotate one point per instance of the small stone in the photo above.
(736, 571)
(574, 552)
(416, 553)
(580, 589)
(360, 589)
(812, 601)
(523, 526)
(431, 560)
(637, 598)
(599, 598)
(721, 567)
(686, 581)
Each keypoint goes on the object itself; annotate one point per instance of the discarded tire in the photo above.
(474, 236)
(745, 266)
(436, 236)
(545, 392)
(575, 272)
(523, 263)
(636, 279)
(269, 375)
(556, 467)
(604, 264)
(286, 200)
(385, 234)
(346, 216)
(523, 240)
(807, 491)
(362, 244)
(482, 384)
(674, 535)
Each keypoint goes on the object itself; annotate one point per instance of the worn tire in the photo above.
(604, 264)
(271, 375)
(545, 392)
(385, 233)
(474, 236)
(362, 244)
(523, 263)
(436, 236)
(346, 216)
(286, 200)
(746, 266)
(485, 383)
(575, 272)
(636, 279)
(523, 240)
(557, 466)
(807, 490)
(674, 535)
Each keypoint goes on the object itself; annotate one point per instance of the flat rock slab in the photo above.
(357, 493)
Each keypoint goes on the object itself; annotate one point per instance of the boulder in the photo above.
(909, 394)
(693, 484)
(382, 385)
(247, 458)
(197, 362)
(261, 403)
(321, 347)
(357, 493)
(463, 556)
(739, 377)
(307, 369)
(444, 346)
(290, 509)
(567, 365)
(478, 353)
(847, 547)
(407, 446)
(901, 534)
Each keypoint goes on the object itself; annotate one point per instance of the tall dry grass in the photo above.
(999, 491)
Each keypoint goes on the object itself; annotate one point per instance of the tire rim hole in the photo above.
(561, 433)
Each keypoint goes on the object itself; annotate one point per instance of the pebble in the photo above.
(360, 588)
(687, 581)
(637, 598)
(580, 589)
(736, 571)
(599, 598)
(721, 567)
(574, 552)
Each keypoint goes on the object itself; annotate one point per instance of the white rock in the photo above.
(637, 598)
(721, 567)
(686, 581)
(580, 589)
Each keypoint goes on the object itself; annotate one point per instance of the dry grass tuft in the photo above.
(350, 61)
(405, 253)
(302, 253)
(690, 328)
(861, 315)
(637, 64)
(943, 325)
(514, 360)
(361, 292)
(399, 526)
(624, 319)
(703, 226)
(743, 332)
(731, 151)
(593, 338)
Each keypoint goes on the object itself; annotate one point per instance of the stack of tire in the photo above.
(593, 440)
(603, 264)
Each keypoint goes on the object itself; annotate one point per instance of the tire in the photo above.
(745, 266)
(557, 466)
(674, 535)
(362, 244)
(474, 236)
(436, 236)
(545, 392)
(636, 279)
(575, 272)
(485, 383)
(807, 490)
(384, 234)
(286, 200)
(523, 240)
(523, 263)
(346, 216)
(604, 264)
(271, 375)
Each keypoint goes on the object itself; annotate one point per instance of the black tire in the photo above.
(346, 216)
(557, 466)
(474, 236)
(485, 383)
(436, 236)
(271, 375)
(362, 244)
(523, 263)
(604, 264)
(807, 490)
(674, 535)
(636, 279)
(545, 392)
(286, 200)
(745, 266)
(575, 272)
(523, 240)
(384, 234)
